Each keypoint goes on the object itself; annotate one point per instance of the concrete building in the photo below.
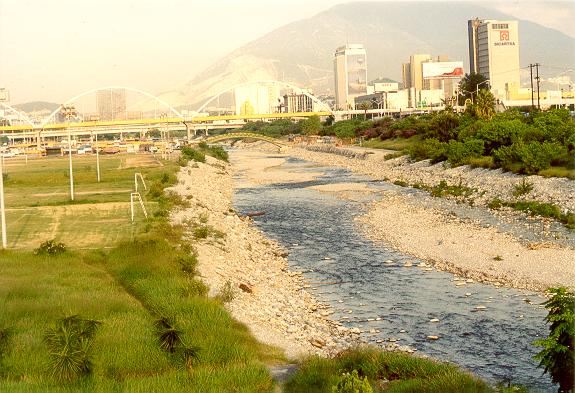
(297, 102)
(494, 53)
(350, 68)
(414, 78)
(257, 99)
(111, 104)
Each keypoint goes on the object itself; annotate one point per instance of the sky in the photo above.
(53, 50)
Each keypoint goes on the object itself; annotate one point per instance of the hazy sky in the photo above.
(53, 49)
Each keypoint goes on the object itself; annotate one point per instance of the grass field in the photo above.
(38, 205)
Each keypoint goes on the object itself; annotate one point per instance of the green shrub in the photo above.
(460, 153)
(193, 154)
(495, 204)
(70, 347)
(443, 127)
(536, 156)
(523, 188)
(497, 134)
(188, 263)
(351, 383)
(558, 353)
(50, 247)
(227, 293)
(429, 149)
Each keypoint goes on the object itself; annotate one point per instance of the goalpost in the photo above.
(135, 196)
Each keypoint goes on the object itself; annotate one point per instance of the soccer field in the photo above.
(38, 205)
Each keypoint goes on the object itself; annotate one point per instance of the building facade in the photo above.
(294, 102)
(494, 53)
(257, 99)
(111, 104)
(350, 71)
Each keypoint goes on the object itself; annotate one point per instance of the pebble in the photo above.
(480, 307)
(433, 337)
(434, 320)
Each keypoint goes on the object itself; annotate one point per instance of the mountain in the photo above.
(36, 106)
(302, 52)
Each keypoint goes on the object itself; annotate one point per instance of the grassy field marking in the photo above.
(39, 209)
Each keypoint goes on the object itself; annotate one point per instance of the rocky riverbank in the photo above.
(465, 247)
(487, 184)
(266, 296)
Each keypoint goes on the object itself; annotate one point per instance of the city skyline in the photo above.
(150, 54)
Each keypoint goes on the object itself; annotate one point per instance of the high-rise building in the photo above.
(111, 104)
(350, 67)
(494, 53)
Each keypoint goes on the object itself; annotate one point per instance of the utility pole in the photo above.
(537, 77)
(2, 210)
(531, 72)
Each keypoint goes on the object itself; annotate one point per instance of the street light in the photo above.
(477, 87)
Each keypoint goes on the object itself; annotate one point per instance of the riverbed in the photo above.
(388, 295)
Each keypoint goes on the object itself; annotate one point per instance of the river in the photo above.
(369, 287)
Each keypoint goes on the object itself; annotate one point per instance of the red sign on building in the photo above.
(503, 35)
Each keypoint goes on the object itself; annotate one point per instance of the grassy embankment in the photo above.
(147, 275)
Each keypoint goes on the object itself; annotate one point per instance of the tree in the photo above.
(468, 86)
(485, 105)
(364, 106)
(558, 354)
(311, 125)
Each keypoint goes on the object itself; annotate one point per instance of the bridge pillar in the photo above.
(188, 135)
(206, 130)
(38, 140)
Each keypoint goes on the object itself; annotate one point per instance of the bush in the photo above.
(536, 156)
(429, 149)
(351, 383)
(51, 248)
(460, 153)
(193, 154)
(227, 293)
(558, 353)
(443, 127)
(497, 134)
(523, 188)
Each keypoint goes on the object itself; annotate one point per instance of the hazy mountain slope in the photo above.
(302, 52)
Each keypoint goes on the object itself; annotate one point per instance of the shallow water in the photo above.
(319, 232)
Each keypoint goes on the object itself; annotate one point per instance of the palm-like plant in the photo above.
(70, 345)
(168, 336)
(485, 105)
(364, 106)
(191, 354)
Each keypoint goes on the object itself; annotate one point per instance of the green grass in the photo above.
(558, 171)
(146, 272)
(392, 144)
(405, 373)
(39, 206)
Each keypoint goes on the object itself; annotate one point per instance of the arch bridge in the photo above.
(243, 135)
(171, 120)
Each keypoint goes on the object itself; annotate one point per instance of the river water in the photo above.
(388, 301)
